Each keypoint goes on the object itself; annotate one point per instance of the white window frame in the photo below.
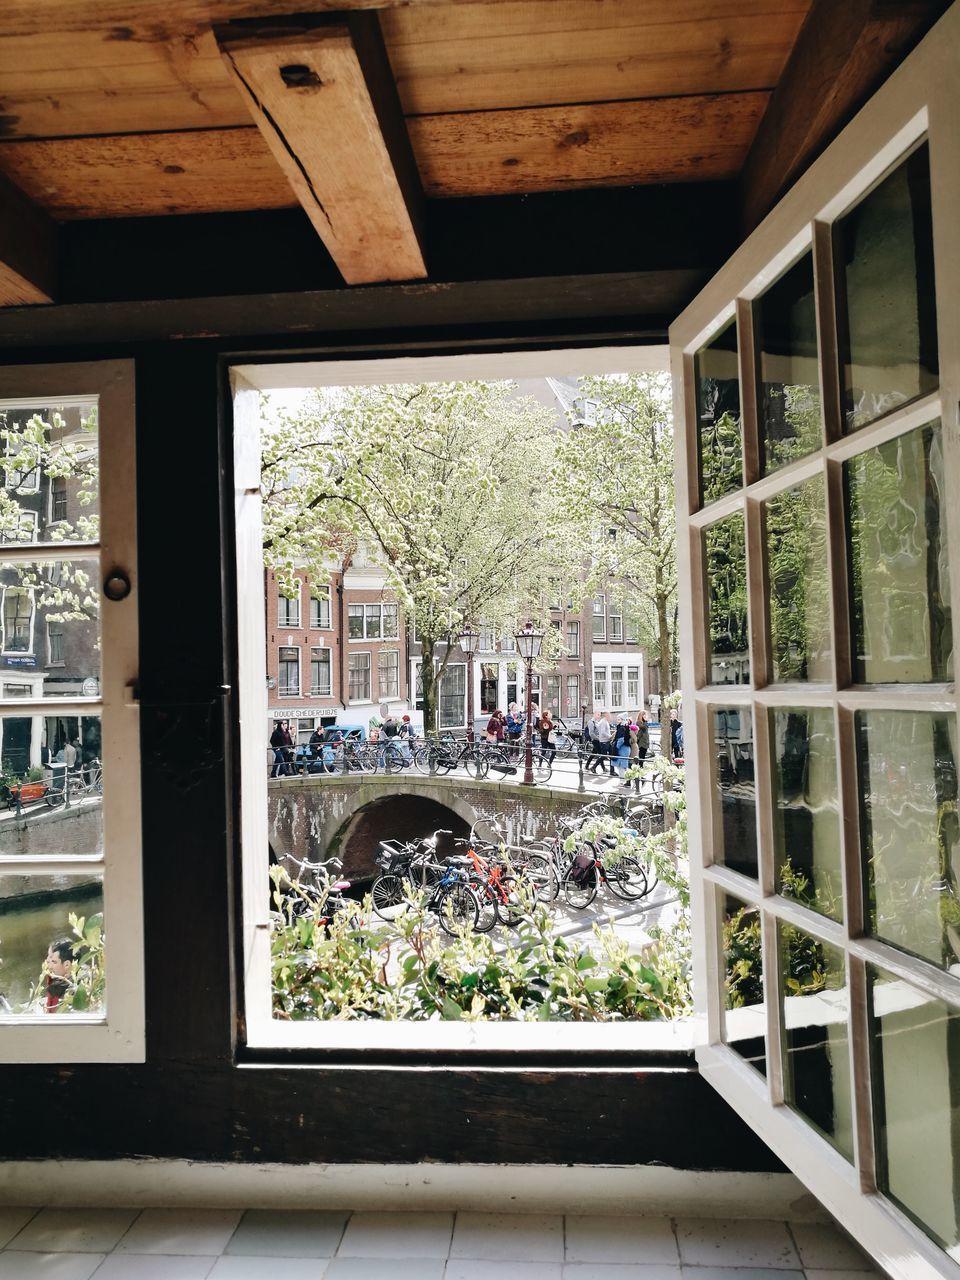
(385, 696)
(371, 609)
(600, 682)
(366, 653)
(616, 678)
(288, 692)
(573, 629)
(919, 100)
(118, 1035)
(288, 605)
(615, 629)
(51, 661)
(577, 710)
(319, 600)
(633, 686)
(20, 592)
(28, 524)
(19, 487)
(316, 691)
(599, 632)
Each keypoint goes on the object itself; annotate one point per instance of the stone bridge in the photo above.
(322, 816)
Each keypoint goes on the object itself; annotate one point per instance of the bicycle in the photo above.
(299, 899)
(451, 899)
(72, 787)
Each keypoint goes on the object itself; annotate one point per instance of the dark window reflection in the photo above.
(785, 324)
(718, 415)
(899, 571)
(806, 822)
(813, 987)
(887, 320)
(908, 788)
(734, 790)
(744, 1011)
(916, 1069)
(796, 536)
(725, 556)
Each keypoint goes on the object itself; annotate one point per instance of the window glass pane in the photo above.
(806, 819)
(373, 621)
(320, 609)
(600, 687)
(573, 696)
(899, 572)
(288, 611)
(52, 963)
(887, 321)
(745, 1026)
(452, 698)
(359, 672)
(916, 1067)
(390, 622)
(796, 535)
(725, 556)
(908, 790)
(355, 621)
(320, 672)
(51, 788)
(785, 324)
(718, 415)
(50, 485)
(814, 1012)
(50, 629)
(735, 801)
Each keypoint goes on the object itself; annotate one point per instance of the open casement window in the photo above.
(818, 377)
(70, 866)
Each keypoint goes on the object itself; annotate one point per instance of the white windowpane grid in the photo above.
(320, 610)
(389, 669)
(359, 677)
(288, 611)
(321, 673)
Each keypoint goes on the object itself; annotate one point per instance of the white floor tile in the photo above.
(816, 1273)
(152, 1266)
(234, 1268)
(189, 1231)
(823, 1246)
(710, 1242)
(620, 1239)
(739, 1273)
(397, 1235)
(11, 1220)
(484, 1269)
(620, 1271)
(520, 1237)
(15, 1265)
(267, 1233)
(382, 1269)
(74, 1230)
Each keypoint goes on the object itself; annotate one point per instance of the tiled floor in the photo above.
(221, 1244)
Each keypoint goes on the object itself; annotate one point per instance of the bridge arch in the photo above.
(402, 816)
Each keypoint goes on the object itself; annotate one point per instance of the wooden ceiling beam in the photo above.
(843, 53)
(322, 94)
(28, 249)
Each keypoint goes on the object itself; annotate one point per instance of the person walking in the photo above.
(277, 741)
(496, 727)
(604, 742)
(676, 735)
(545, 727)
(620, 746)
(515, 721)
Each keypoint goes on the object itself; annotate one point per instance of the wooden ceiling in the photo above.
(111, 108)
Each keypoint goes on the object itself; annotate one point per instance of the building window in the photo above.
(391, 622)
(507, 643)
(599, 687)
(320, 673)
(305, 728)
(373, 622)
(355, 621)
(511, 682)
(359, 677)
(616, 626)
(58, 499)
(553, 696)
(632, 632)
(616, 686)
(320, 609)
(288, 611)
(389, 669)
(633, 686)
(572, 707)
(487, 642)
(17, 620)
(55, 644)
(20, 527)
(371, 614)
(600, 618)
(290, 672)
(489, 683)
(451, 703)
(573, 639)
(17, 479)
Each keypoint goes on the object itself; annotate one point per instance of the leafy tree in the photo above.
(615, 475)
(441, 482)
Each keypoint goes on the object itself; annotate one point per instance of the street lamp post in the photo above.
(529, 642)
(469, 640)
(583, 738)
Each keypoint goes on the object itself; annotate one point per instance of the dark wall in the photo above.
(194, 1097)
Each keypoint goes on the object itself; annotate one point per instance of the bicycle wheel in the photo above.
(386, 894)
(393, 760)
(475, 763)
(579, 893)
(537, 872)
(489, 912)
(627, 879)
(512, 907)
(445, 762)
(421, 757)
(457, 908)
(542, 768)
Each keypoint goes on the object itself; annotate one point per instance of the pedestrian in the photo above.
(604, 742)
(545, 727)
(620, 745)
(496, 727)
(514, 725)
(598, 751)
(58, 968)
(277, 743)
(407, 733)
(676, 735)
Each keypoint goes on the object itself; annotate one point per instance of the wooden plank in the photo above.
(324, 100)
(208, 171)
(28, 249)
(686, 139)
(463, 58)
(842, 55)
(58, 83)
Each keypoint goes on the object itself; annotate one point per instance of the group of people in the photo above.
(616, 746)
(510, 727)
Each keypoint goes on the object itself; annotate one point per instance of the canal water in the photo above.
(27, 931)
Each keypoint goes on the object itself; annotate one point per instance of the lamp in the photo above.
(529, 641)
(469, 643)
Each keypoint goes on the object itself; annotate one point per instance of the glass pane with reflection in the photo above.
(795, 524)
(806, 818)
(899, 568)
(51, 944)
(815, 1018)
(785, 325)
(49, 629)
(916, 1068)
(725, 559)
(887, 317)
(734, 790)
(744, 1019)
(720, 429)
(50, 489)
(910, 835)
(51, 786)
